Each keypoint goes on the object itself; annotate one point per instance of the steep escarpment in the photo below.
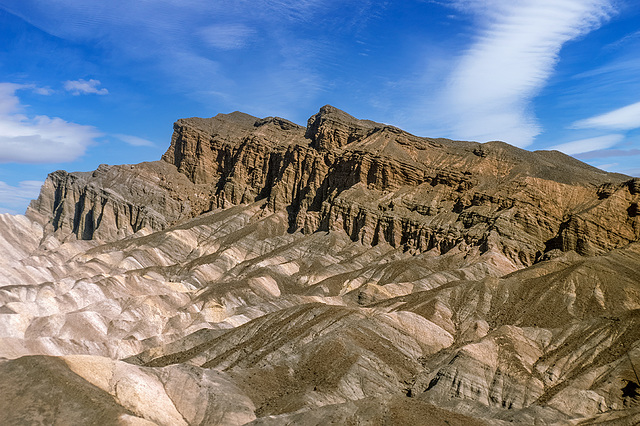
(372, 181)
(116, 201)
(349, 272)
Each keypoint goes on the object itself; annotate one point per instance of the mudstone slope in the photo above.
(262, 272)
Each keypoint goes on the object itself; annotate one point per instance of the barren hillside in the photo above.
(347, 272)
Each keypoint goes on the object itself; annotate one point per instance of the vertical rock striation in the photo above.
(116, 201)
(372, 181)
(348, 271)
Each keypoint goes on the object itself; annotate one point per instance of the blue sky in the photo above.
(85, 82)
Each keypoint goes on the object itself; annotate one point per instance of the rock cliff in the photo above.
(348, 272)
(374, 182)
(115, 201)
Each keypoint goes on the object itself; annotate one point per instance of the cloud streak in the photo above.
(493, 83)
(625, 118)
(589, 144)
(84, 87)
(39, 139)
(134, 140)
(13, 198)
(227, 36)
(607, 153)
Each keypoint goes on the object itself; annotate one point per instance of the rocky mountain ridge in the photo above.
(373, 181)
(267, 273)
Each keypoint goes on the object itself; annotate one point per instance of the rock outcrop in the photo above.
(115, 201)
(348, 272)
(372, 181)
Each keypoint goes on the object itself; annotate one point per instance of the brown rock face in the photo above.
(372, 181)
(346, 272)
(116, 201)
(331, 128)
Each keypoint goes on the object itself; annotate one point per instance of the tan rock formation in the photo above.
(374, 182)
(97, 390)
(348, 271)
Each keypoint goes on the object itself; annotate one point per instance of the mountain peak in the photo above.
(340, 161)
(359, 274)
(333, 128)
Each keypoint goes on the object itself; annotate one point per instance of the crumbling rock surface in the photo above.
(115, 201)
(98, 390)
(374, 182)
(348, 272)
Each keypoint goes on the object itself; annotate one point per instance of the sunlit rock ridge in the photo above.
(262, 272)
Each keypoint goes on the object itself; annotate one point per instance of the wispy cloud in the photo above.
(632, 172)
(613, 78)
(589, 144)
(607, 153)
(84, 87)
(38, 139)
(171, 42)
(227, 36)
(607, 166)
(625, 118)
(490, 90)
(9, 102)
(44, 91)
(634, 36)
(13, 198)
(134, 140)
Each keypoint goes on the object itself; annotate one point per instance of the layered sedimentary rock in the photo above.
(267, 273)
(97, 390)
(372, 181)
(115, 201)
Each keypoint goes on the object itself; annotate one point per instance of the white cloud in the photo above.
(134, 140)
(9, 102)
(490, 90)
(39, 139)
(589, 144)
(170, 42)
(227, 36)
(607, 153)
(625, 118)
(13, 198)
(45, 91)
(84, 87)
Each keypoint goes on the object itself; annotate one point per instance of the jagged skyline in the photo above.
(347, 272)
(85, 83)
